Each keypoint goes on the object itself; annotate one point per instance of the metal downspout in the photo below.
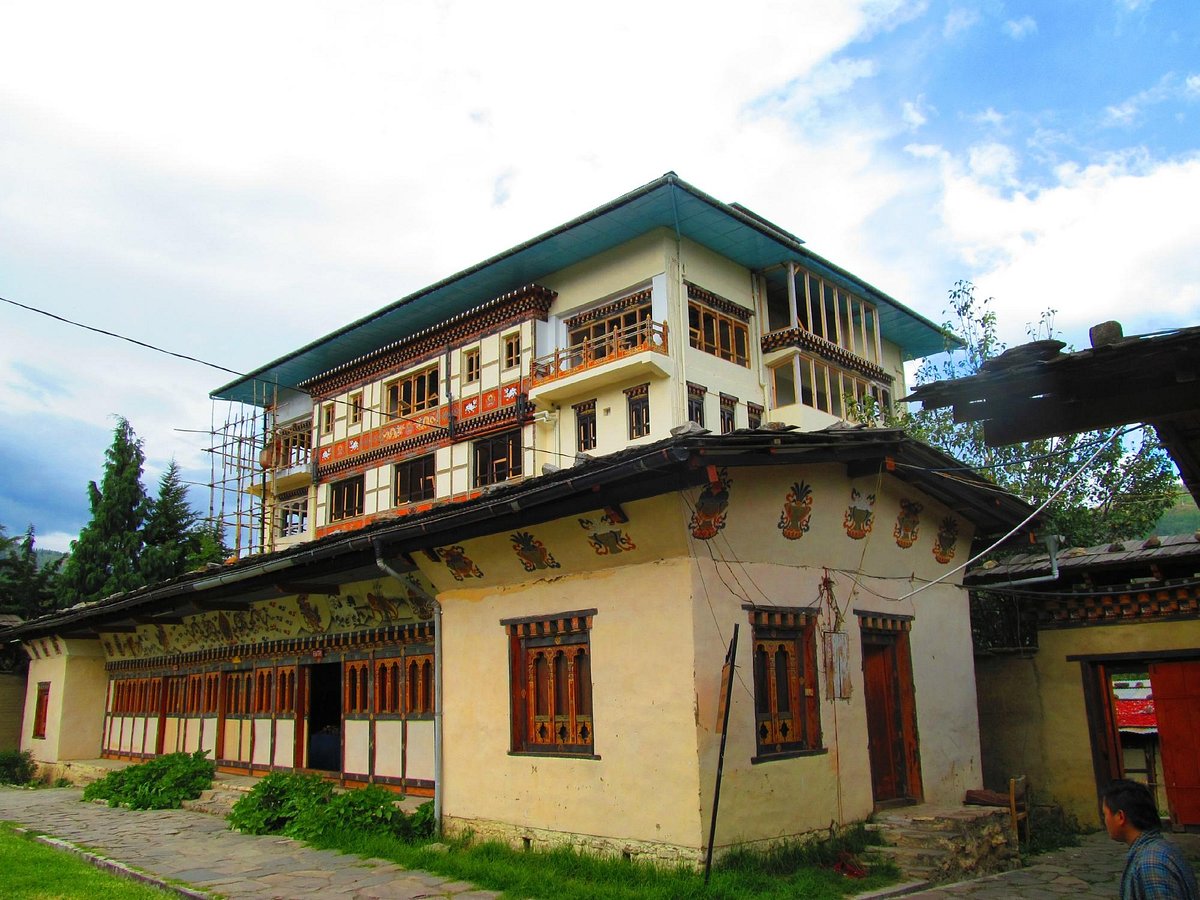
(1051, 542)
(437, 690)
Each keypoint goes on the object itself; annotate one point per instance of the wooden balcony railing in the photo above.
(643, 337)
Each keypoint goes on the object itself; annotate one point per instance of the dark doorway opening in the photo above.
(325, 717)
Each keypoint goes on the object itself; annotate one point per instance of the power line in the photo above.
(121, 337)
(195, 359)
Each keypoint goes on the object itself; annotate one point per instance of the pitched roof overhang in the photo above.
(1035, 391)
(1159, 557)
(639, 472)
(667, 202)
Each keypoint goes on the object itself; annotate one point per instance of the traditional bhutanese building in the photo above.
(517, 521)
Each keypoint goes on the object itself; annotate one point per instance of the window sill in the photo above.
(787, 754)
(549, 754)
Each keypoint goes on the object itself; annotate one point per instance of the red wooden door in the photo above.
(883, 731)
(1176, 687)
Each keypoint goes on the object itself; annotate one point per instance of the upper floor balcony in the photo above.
(286, 461)
(638, 350)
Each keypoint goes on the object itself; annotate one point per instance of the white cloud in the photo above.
(958, 21)
(989, 117)
(1108, 241)
(1169, 87)
(993, 163)
(914, 113)
(1021, 28)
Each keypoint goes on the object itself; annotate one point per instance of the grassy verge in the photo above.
(792, 871)
(31, 870)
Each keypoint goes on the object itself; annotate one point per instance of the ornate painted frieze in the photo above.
(708, 517)
(795, 518)
(531, 552)
(908, 523)
(460, 565)
(947, 539)
(859, 518)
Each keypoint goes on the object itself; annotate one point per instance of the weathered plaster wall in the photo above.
(780, 797)
(75, 713)
(1045, 734)
(643, 709)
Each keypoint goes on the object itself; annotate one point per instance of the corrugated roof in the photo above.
(667, 202)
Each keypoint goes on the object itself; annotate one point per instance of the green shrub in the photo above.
(276, 800)
(162, 783)
(16, 767)
(370, 809)
(305, 807)
(422, 824)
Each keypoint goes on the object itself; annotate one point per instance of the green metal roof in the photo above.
(666, 202)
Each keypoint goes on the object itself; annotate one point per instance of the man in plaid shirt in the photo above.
(1154, 868)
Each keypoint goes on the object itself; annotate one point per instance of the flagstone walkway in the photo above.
(199, 849)
(1093, 869)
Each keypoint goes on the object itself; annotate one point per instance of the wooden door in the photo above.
(883, 733)
(1176, 687)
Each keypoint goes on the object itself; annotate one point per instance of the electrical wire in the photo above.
(121, 337)
(1062, 487)
(196, 359)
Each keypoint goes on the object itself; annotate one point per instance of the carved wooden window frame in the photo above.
(728, 413)
(695, 403)
(585, 426)
(723, 336)
(413, 393)
(347, 498)
(471, 366)
(498, 458)
(512, 350)
(787, 702)
(420, 473)
(551, 684)
(637, 401)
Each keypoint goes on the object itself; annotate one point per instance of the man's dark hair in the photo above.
(1135, 800)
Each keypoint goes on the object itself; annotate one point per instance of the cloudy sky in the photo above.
(232, 180)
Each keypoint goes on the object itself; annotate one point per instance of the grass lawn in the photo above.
(565, 875)
(31, 870)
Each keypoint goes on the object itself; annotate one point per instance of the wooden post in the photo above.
(723, 715)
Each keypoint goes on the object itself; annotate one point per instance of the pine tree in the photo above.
(26, 589)
(104, 560)
(168, 535)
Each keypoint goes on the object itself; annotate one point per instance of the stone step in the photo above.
(219, 800)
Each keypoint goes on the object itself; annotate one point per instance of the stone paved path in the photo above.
(1093, 869)
(201, 850)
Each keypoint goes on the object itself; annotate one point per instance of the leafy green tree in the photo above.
(104, 560)
(1121, 495)
(26, 587)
